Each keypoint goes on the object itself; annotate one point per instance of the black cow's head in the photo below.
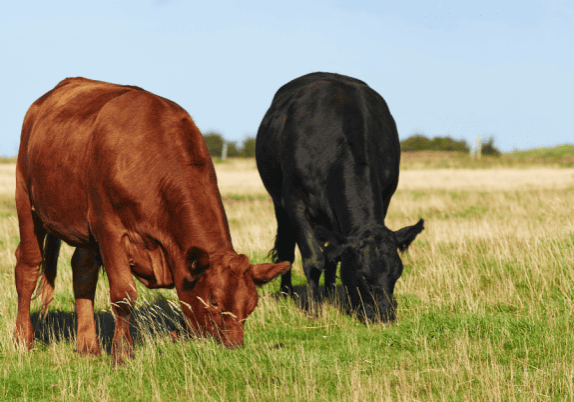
(370, 266)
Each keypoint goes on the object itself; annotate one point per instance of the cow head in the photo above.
(370, 266)
(218, 293)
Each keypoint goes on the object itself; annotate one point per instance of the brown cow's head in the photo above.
(219, 293)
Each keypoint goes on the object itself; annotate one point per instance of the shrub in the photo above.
(248, 149)
(419, 142)
(214, 141)
(232, 151)
(488, 148)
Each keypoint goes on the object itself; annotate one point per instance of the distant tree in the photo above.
(449, 144)
(416, 142)
(214, 141)
(488, 148)
(248, 149)
(232, 150)
(419, 142)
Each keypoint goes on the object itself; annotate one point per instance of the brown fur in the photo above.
(124, 174)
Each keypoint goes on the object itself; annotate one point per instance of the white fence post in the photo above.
(476, 148)
(224, 151)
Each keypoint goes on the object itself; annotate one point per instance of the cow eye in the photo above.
(212, 300)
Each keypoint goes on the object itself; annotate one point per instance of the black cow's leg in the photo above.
(330, 276)
(284, 249)
(311, 253)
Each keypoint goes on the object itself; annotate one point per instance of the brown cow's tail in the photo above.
(49, 270)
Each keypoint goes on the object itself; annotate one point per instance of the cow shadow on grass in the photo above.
(313, 304)
(155, 317)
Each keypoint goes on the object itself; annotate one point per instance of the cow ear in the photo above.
(198, 259)
(198, 262)
(333, 243)
(264, 273)
(407, 235)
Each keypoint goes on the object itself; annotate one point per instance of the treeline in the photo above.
(419, 142)
(416, 142)
(215, 140)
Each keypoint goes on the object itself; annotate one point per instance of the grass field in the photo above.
(485, 306)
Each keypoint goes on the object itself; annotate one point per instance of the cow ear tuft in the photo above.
(328, 236)
(265, 273)
(198, 262)
(198, 258)
(407, 235)
(333, 243)
(333, 252)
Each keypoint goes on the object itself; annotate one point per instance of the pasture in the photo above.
(485, 307)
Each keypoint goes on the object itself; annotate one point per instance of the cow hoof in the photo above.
(122, 353)
(121, 359)
(175, 335)
(25, 342)
(88, 352)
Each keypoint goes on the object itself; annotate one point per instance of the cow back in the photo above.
(94, 151)
(332, 139)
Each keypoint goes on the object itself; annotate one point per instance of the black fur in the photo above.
(328, 153)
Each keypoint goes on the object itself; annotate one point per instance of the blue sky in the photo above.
(458, 68)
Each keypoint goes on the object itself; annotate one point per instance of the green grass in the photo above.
(245, 197)
(560, 156)
(485, 312)
(558, 152)
(7, 159)
(7, 206)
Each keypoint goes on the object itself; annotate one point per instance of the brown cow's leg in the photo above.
(85, 268)
(28, 260)
(123, 294)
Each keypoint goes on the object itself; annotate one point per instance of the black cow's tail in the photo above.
(273, 255)
(49, 270)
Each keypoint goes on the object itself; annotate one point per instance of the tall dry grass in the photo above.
(7, 179)
(485, 308)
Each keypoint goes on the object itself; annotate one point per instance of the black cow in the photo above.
(328, 153)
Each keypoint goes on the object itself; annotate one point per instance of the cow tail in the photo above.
(273, 255)
(49, 270)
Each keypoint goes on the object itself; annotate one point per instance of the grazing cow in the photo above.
(125, 176)
(328, 153)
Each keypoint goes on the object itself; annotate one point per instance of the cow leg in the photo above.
(123, 294)
(284, 249)
(311, 253)
(29, 255)
(330, 276)
(85, 269)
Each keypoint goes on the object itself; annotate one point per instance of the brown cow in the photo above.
(124, 175)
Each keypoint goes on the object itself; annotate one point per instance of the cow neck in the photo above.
(195, 211)
(206, 228)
